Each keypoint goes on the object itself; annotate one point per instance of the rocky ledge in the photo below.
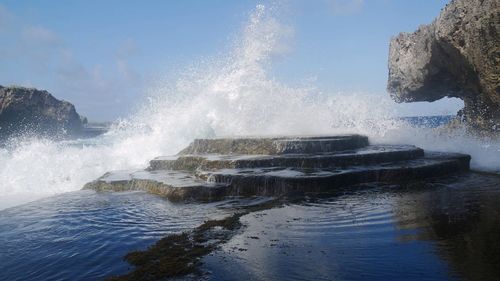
(32, 111)
(457, 55)
(213, 169)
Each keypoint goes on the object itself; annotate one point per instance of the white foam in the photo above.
(230, 95)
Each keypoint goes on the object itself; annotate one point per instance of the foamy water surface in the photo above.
(232, 94)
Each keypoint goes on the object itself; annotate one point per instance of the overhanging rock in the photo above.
(457, 55)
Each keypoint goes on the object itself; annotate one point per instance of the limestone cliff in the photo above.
(457, 55)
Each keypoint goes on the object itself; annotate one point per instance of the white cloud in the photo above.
(39, 35)
(345, 7)
(69, 70)
(35, 53)
(123, 55)
(127, 49)
(25, 42)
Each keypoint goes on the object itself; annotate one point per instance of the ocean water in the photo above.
(445, 229)
(83, 235)
(442, 230)
(51, 230)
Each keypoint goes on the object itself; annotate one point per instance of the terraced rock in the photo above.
(175, 185)
(276, 145)
(361, 156)
(212, 169)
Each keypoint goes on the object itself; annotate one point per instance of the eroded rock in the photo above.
(457, 55)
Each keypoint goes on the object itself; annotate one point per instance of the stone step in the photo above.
(362, 156)
(175, 185)
(275, 181)
(275, 145)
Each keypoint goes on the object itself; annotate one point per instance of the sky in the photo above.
(103, 55)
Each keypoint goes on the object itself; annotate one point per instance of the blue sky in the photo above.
(102, 55)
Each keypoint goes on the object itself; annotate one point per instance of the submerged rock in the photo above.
(212, 169)
(28, 110)
(457, 55)
(179, 254)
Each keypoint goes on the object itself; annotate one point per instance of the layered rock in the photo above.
(457, 55)
(213, 169)
(28, 110)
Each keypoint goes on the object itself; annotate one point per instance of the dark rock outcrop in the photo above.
(457, 55)
(32, 111)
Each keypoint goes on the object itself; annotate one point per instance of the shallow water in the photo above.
(447, 230)
(84, 235)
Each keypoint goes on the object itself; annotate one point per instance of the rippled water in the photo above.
(441, 231)
(446, 230)
(84, 235)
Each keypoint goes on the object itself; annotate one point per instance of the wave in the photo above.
(232, 94)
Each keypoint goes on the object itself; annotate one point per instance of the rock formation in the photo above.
(213, 169)
(457, 55)
(28, 110)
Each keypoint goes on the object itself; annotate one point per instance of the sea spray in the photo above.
(232, 94)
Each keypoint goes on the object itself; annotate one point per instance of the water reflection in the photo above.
(462, 216)
(444, 230)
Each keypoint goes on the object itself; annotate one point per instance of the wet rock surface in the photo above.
(28, 110)
(457, 55)
(209, 170)
(276, 145)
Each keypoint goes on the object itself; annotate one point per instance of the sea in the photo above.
(446, 230)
